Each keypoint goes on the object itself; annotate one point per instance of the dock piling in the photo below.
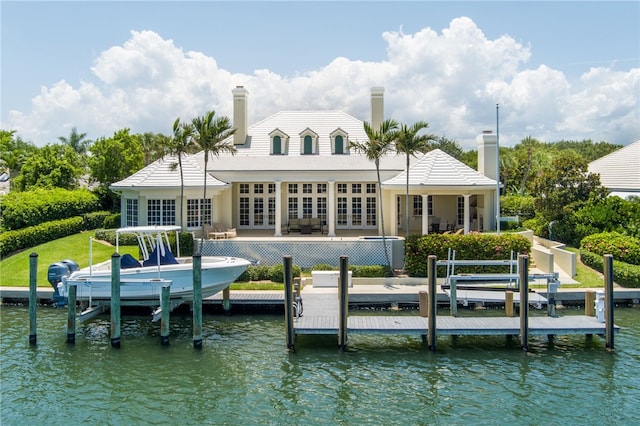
(33, 298)
(423, 303)
(523, 267)
(288, 301)
(608, 298)
(226, 301)
(197, 301)
(115, 300)
(71, 314)
(508, 303)
(164, 316)
(343, 303)
(590, 303)
(433, 300)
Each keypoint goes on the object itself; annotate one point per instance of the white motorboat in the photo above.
(142, 281)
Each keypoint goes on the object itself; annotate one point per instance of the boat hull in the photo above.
(144, 284)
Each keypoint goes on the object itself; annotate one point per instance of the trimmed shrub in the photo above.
(324, 267)
(111, 221)
(95, 220)
(12, 241)
(472, 246)
(370, 271)
(255, 273)
(276, 272)
(24, 209)
(624, 274)
(623, 248)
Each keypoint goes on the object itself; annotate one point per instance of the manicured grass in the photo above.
(14, 270)
(587, 277)
(257, 285)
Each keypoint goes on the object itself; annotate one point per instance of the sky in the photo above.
(545, 69)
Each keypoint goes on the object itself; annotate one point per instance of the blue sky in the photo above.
(559, 70)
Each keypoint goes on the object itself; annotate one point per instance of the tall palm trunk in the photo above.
(406, 202)
(384, 236)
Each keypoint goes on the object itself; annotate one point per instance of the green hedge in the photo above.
(273, 273)
(12, 241)
(24, 209)
(364, 271)
(624, 274)
(472, 246)
(622, 247)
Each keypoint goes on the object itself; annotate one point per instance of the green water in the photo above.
(245, 376)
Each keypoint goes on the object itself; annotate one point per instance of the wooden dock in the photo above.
(320, 316)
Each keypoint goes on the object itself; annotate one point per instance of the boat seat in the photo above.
(127, 262)
(167, 259)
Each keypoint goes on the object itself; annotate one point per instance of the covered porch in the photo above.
(445, 195)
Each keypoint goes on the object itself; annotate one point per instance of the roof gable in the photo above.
(164, 173)
(438, 169)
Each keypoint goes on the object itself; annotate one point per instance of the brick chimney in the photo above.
(377, 107)
(240, 95)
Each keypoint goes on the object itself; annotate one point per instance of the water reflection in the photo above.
(245, 375)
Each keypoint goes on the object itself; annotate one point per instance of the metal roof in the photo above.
(620, 170)
(164, 173)
(437, 169)
(294, 124)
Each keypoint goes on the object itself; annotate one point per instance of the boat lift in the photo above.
(478, 286)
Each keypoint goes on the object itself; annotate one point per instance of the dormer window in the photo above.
(339, 142)
(279, 142)
(308, 142)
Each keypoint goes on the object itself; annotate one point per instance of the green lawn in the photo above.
(14, 270)
(587, 277)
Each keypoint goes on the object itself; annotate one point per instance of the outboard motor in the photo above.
(73, 266)
(55, 274)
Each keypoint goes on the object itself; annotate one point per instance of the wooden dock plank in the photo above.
(321, 317)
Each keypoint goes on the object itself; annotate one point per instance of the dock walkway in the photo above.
(320, 316)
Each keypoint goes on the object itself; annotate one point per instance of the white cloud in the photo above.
(451, 79)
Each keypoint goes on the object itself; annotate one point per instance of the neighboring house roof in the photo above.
(162, 174)
(620, 170)
(437, 169)
(294, 124)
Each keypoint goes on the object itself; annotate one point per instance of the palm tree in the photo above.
(209, 134)
(76, 141)
(379, 144)
(178, 145)
(410, 144)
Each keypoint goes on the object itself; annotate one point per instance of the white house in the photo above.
(620, 170)
(298, 164)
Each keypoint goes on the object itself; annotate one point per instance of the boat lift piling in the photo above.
(197, 301)
(343, 302)
(608, 300)
(71, 314)
(433, 300)
(33, 298)
(523, 266)
(115, 300)
(288, 302)
(164, 319)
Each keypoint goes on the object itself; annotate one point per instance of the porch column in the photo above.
(278, 224)
(331, 209)
(467, 211)
(425, 214)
